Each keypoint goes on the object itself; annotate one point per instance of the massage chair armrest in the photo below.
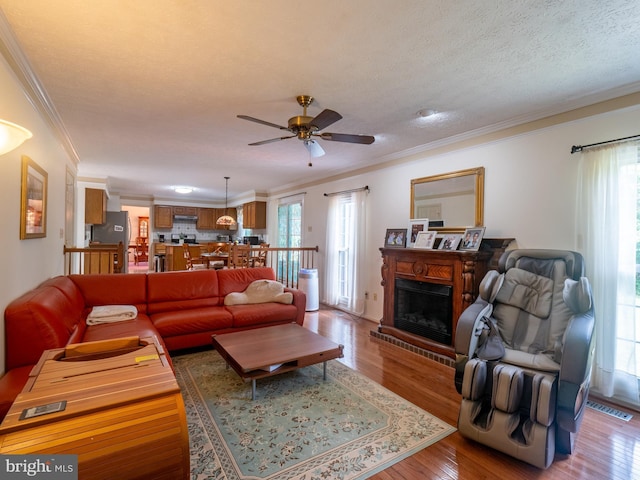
(575, 370)
(467, 334)
(466, 329)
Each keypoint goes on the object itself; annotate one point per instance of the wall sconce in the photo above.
(12, 136)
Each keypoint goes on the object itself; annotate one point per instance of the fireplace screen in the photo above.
(424, 309)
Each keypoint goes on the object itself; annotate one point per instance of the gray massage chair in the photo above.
(529, 403)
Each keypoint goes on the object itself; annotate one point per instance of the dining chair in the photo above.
(239, 257)
(219, 254)
(260, 259)
(141, 251)
(218, 248)
(192, 257)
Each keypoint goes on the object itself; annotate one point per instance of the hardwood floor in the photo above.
(606, 447)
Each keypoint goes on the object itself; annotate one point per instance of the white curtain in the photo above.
(606, 227)
(346, 235)
(332, 286)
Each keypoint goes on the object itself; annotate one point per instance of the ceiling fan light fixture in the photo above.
(304, 128)
(226, 220)
(314, 148)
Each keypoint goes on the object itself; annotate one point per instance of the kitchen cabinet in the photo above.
(254, 215)
(206, 219)
(185, 210)
(162, 216)
(95, 206)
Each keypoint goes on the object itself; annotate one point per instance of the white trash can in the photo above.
(308, 283)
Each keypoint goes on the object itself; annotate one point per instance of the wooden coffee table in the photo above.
(267, 351)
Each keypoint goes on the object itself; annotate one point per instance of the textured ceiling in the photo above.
(149, 90)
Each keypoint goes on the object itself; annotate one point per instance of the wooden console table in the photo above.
(462, 271)
(122, 411)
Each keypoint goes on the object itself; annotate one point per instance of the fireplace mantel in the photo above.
(460, 270)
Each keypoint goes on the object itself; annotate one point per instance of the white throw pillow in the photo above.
(260, 291)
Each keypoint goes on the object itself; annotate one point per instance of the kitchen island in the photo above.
(174, 254)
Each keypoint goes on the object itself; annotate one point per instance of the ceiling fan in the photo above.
(306, 128)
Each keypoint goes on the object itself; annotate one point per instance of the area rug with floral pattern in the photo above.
(300, 426)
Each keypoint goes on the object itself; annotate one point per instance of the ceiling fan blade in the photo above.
(314, 148)
(345, 137)
(325, 118)
(263, 142)
(263, 122)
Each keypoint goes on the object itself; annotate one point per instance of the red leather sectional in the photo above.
(183, 309)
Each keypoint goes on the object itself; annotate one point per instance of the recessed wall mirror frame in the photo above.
(454, 199)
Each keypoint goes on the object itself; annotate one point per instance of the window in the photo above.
(290, 224)
(344, 245)
(630, 339)
(345, 251)
(608, 232)
(289, 236)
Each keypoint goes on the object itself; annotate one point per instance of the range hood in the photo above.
(186, 218)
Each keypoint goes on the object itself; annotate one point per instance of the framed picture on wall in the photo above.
(416, 225)
(33, 203)
(472, 238)
(425, 240)
(395, 238)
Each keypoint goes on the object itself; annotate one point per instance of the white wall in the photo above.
(26, 263)
(530, 182)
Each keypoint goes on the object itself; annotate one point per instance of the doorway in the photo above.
(139, 249)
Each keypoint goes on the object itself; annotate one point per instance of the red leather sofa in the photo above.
(183, 309)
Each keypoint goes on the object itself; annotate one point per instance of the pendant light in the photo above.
(226, 220)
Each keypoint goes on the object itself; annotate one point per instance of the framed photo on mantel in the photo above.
(395, 238)
(425, 240)
(472, 238)
(416, 225)
(449, 241)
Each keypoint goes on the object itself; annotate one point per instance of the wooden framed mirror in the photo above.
(455, 200)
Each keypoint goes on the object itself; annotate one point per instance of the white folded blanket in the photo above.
(111, 313)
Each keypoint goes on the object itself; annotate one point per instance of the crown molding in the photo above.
(33, 89)
(610, 101)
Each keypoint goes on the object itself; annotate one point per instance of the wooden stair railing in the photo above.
(102, 258)
(111, 258)
(287, 262)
